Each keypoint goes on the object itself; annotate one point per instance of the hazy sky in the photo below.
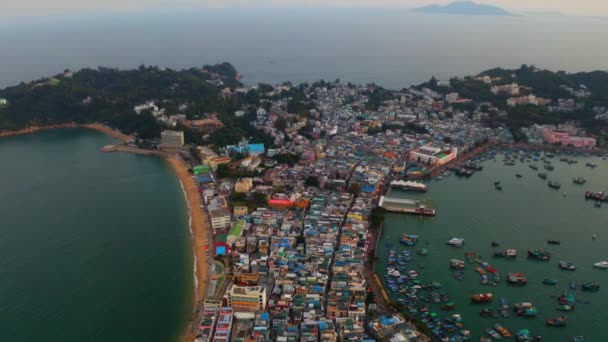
(17, 8)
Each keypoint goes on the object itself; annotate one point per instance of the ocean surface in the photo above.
(522, 216)
(393, 48)
(93, 246)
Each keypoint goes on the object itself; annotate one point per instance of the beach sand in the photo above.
(199, 232)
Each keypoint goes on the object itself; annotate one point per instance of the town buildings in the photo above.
(433, 155)
(563, 138)
(246, 298)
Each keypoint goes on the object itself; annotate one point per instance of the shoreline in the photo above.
(93, 126)
(197, 219)
(198, 231)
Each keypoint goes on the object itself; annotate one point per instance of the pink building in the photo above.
(560, 137)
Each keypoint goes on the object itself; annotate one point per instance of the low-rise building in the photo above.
(240, 210)
(433, 155)
(220, 219)
(243, 185)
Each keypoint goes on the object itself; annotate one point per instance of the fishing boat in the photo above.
(566, 265)
(502, 330)
(449, 306)
(548, 281)
(534, 167)
(554, 184)
(488, 312)
(408, 239)
(542, 175)
(457, 264)
(539, 254)
(548, 167)
(492, 333)
(456, 242)
(557, 321)
(566, 299)
(591, 165)
(601, 264)
(525, 309)
(517, 279)
(579, 180)
(508, 253)
(553, 242)
(422, 251)
(593, 287)
(482, 298)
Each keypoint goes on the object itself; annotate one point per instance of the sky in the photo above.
(32, 8)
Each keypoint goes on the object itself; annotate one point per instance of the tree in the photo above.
(377, 216)
(280, 123)
(447, 140)
(259, 199)
(354, 189)
(312, 181)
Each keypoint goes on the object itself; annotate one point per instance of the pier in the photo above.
(405, 206)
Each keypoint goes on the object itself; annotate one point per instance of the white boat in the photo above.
(456, 242)
(601, 264)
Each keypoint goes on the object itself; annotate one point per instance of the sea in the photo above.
(395, 48)
(93, 246)
(523, 216)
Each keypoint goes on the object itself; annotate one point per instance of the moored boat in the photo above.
(408, 239)
(482, 298)
(601, 264)
(591, 286)
(557, 321)
(502, 330)
(525, 309)
(456, 242)
(548, 281)
(542, 175)
(554, 184)
(422, 251)
(566, 265)
(539, 254)
(457, 264)
(564, 307)
(517, 279)
(553, 242)
(579, 180)
(492, 333)
(508, 253)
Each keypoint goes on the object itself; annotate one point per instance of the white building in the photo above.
(509, 89)
(146, 106)
(220, 219)
(3, 101)
(451, 97)
(171, 139)
(432, 155)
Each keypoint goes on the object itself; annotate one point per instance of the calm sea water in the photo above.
(394, 48)
(93, 246)
(522, 216)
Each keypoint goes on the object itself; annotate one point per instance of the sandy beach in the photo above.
(199, 228)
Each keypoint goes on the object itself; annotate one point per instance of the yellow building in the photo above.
(246, 298)
(240, 210)
(243, 185)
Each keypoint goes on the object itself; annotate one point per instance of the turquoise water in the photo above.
(522, 216)
(93, 246)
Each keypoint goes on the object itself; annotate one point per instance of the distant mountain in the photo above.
(464, 7)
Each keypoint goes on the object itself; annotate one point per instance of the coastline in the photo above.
(93, 126)
(198, 230)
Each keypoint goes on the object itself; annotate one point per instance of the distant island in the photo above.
(464, 7)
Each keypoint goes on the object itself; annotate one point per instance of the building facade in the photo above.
(246, 298)
(171, 140)
(243, 185)
(220, 219)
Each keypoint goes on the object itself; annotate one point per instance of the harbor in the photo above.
(498, 229)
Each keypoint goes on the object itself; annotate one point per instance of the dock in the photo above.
(405, 206)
